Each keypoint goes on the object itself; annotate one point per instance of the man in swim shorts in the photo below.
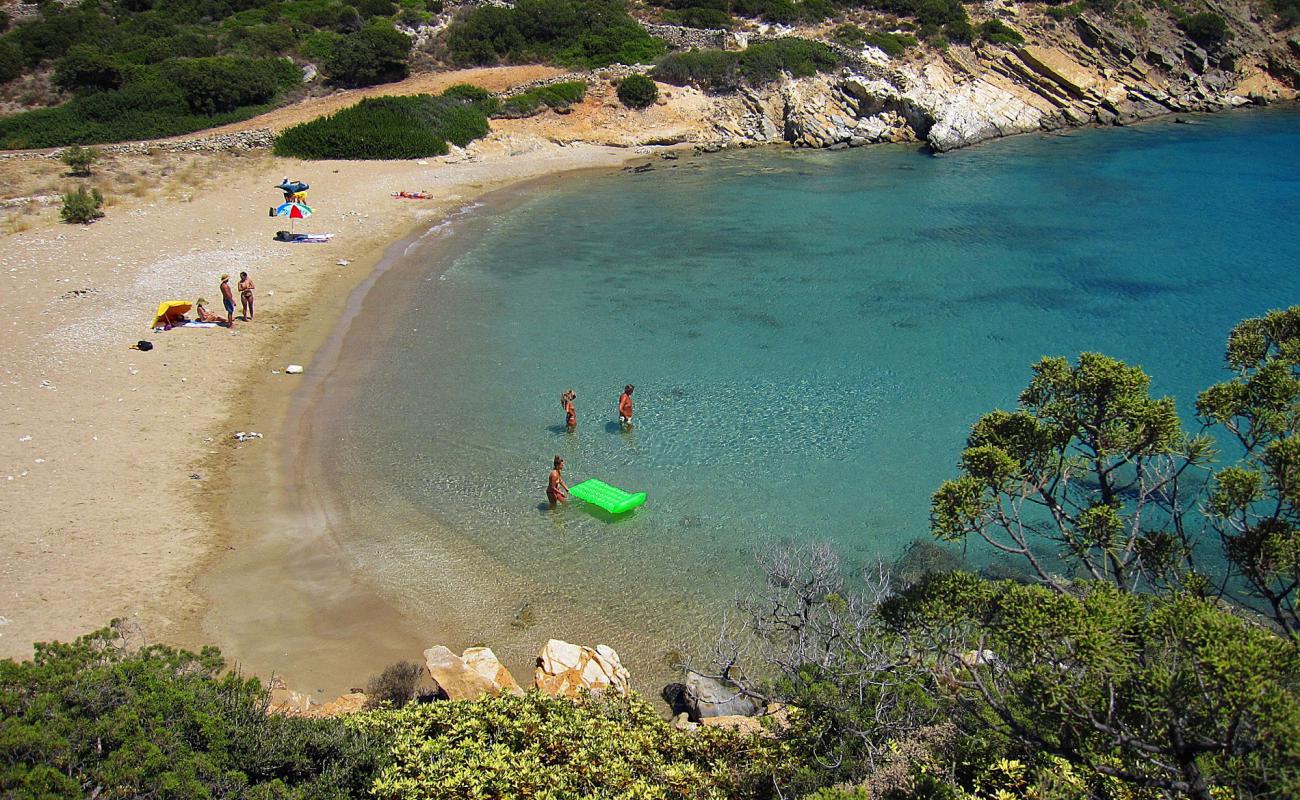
(625, 406)
(228, 298)
(557, 491)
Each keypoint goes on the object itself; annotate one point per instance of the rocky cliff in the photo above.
(1068, 72)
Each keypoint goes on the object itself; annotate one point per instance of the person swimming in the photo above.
(625, 406)
(557, 491)
(570, 413)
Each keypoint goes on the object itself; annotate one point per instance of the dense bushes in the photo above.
(540, 746)
(98, 718)
(997, 32)
(86, 69)
(387, 128)
(724, 71)
(167, 100)
(556, 95)
(580, 33)
(223, 83)
(637, 91)
(11, 61)
(205, 62)
(1207, 29)
(375, 54)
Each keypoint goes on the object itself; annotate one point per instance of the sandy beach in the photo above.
(114, 462)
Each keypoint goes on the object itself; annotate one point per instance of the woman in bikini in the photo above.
(246, 288)
(557, 491)
(570, 413)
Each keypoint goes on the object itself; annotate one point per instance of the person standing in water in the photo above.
(246, 288)
(570, 413)
(557, 491)
(228, 299)
(625, 406)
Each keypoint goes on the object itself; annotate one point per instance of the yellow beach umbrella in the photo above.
(170, 311)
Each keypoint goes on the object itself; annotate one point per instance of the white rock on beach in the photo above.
(293, 369)
(468, 677)
(563, 669)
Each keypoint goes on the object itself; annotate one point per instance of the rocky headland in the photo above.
(1084, 70)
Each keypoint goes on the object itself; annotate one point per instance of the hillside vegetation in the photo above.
(139, 69)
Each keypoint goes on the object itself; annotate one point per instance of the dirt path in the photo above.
(491, 78)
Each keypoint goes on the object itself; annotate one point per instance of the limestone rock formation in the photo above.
(483, 661)
(563, 669)
(468, 677)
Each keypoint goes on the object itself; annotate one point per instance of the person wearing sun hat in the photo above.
(228, 298)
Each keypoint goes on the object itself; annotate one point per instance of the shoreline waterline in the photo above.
(318, 623)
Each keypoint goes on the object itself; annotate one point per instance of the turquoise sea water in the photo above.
(811, 336)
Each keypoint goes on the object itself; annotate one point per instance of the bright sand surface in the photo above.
(100, 513)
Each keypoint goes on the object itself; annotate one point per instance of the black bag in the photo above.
(144, 344)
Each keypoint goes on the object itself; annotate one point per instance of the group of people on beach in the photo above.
(246, 288)
(557, 491)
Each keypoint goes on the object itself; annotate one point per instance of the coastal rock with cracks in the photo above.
(471, 676)
(564, 669)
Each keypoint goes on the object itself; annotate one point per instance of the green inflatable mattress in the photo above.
(611, 498)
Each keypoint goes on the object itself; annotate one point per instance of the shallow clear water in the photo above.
(811, 336)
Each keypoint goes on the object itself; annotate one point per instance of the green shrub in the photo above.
(785, 12)
(530, 102)
(223, 83)
(1288, 12)
(724, 71)
(79, 159)
(143, 109)
(85, 68)
(376, 8)
(893, 44)
(637, 91)
(697, 17)
(487, 102)
(375, 54)
(395, 685)
(997, 32)
(319, 46)
(578, 33)
(97, 718)
(82, 206)
(540, 746)
(1207, 29)
(11, 60)
(849, 35)
(387, 128)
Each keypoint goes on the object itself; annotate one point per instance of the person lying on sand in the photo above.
(557, 491)
(413, 195)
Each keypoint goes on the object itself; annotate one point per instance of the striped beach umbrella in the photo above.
(293, 211)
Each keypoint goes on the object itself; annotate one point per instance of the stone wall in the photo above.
(258, 139)
(679, 37)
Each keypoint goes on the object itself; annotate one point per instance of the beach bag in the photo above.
(144, 344)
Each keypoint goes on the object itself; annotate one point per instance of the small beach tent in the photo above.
(170, 312)
(611, 498)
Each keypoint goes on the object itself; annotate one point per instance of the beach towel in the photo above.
(294, 238)
(197, 324)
